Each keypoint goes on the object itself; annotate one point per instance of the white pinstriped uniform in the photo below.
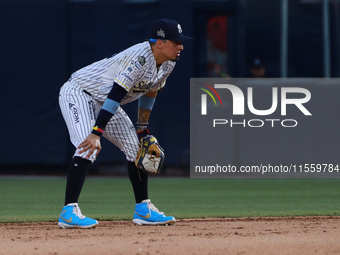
(82, 97)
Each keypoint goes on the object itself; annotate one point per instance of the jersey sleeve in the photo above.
(168, 68)
(162, 84)
(129, 71)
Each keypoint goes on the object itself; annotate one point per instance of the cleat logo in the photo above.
(68, 221)
(144, 217)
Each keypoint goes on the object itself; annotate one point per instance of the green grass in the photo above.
(41, 199)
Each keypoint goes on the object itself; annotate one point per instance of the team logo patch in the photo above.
(161, 33)
(104, 89)
(141, 60)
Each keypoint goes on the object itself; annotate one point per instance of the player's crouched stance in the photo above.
(150, 159)
(90, 102)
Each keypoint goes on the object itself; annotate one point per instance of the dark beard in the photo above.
(176, 59)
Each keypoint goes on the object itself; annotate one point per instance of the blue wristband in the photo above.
(110, 105)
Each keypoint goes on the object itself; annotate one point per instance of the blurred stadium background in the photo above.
(44, 41)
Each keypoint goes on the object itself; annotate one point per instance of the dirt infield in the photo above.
(298, 235)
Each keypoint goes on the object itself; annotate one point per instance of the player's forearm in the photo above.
(143, 118)
(145, 105)
(109, 108)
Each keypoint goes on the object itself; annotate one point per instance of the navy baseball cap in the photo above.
(167, 29)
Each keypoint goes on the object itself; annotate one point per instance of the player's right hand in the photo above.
(91, 143)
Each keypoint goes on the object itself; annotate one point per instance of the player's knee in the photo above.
(83, 155)
(131, 154)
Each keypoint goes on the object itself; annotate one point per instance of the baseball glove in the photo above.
(150, 156)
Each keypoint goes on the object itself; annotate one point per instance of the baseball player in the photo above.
(90, 102)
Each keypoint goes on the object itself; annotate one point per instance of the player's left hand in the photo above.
(150, 156)
(91, 143)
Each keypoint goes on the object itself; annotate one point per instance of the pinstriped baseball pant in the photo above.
(80, 111)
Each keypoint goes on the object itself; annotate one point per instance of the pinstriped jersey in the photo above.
(134, 69)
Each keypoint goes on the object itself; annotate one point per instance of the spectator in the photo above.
(258, 69)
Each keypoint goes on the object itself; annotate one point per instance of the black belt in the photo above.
(88, 93)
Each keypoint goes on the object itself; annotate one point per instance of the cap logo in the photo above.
(179, 28)
(161, 33)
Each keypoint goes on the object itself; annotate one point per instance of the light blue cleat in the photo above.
(147, 214)
(71, 217)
